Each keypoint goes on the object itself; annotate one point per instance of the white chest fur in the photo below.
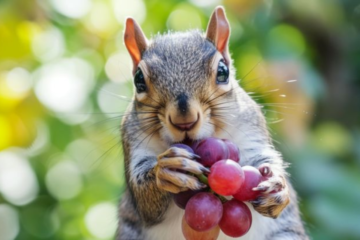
(170, 228)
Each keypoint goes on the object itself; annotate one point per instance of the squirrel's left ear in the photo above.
(218, 32)
(135, 41)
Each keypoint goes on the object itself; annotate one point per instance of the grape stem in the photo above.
(222, 198)
(203, 179)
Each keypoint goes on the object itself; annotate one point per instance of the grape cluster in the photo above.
(207, 211)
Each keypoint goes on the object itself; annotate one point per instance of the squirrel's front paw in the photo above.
(171, 180)
(275, 193)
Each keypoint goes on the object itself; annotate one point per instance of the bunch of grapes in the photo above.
(208, 211)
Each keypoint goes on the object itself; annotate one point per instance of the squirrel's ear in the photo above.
(218, 32)
(135, 41)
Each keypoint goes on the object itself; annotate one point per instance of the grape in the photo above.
(252, 179)
(203, 211)
(236, 220)
(191, 234)
(194, 144)
(234, 152)
(226, 177)
(182, 198)
(183, 146)
(211, 150)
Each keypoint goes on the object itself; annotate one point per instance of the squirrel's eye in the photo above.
(222, 76)
(139, 81)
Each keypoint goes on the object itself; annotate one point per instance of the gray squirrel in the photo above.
(186, 90)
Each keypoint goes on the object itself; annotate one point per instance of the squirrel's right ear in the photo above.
(135, 41)
(218, 32)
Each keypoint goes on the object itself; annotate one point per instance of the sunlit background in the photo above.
(65, 81)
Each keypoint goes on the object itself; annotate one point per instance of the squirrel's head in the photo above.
(184, 81)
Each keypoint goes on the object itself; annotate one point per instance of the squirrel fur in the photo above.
(178, 98)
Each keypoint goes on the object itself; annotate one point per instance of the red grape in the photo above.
(203, 211)
(191, 234)
(234, 152)
(211, 150)
(252, 179)
(194, 144)
(226, 177)
(183, 146)
(182, 198)
(236, 220)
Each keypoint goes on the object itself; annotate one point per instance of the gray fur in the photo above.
(180, 63)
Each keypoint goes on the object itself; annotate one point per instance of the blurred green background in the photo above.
(65, 80)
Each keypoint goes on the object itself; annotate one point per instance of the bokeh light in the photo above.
(118, 67)
(134, 8)
(101, 220)
(48, 45)
(9, 222)
(86, 160)
(19, 81)
(62, 187)
(206, 3)
(41, 141)
(101, 19)
(286, 41)
(64, 85)
(72, 9)
(182, 11)
(18, 183)
(111, 92)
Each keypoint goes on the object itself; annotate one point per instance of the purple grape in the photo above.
(234, 152)
(236, 220)
(203, 211)
(182, 198)
(183, 146)
(252, 179)
(211, 150)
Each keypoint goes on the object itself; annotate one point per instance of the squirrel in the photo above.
(185, 90)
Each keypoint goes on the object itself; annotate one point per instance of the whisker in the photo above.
(148, 136)
(251, 69)
(159, 103)
(277, 112)
(207, 99)
(147, 127)
(220, 95)
(142, 125)
(152, 134)
(221, 129)
(115, 95)
(147, 105)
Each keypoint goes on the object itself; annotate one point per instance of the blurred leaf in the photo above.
(332, 138)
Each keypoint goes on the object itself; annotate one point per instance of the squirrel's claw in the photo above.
(272, 185)
(169, 187)
(180, 181)
(167, 178)
(177, 152)
(182, 164)
(274, 199)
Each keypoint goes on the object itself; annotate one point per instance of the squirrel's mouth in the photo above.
(189, 141)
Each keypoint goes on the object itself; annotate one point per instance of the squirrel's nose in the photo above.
(184, 126)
